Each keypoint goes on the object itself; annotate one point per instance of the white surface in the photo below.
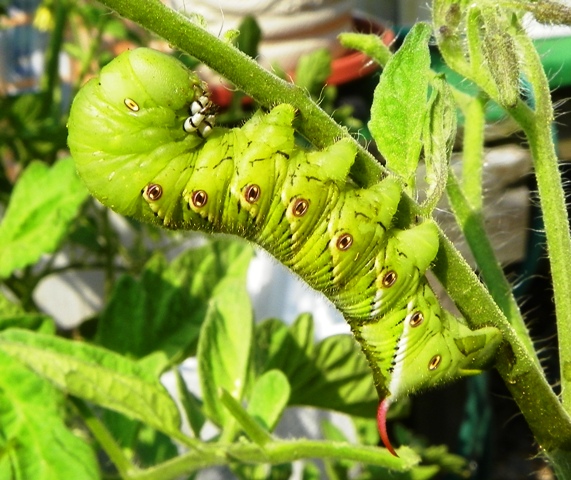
(289, 28)
(538, 30)
(278, 293)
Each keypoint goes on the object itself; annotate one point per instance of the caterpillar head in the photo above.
(126, 125)
(430, 348)
(423, 345)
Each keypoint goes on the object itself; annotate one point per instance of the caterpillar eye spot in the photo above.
(199, 198)
(434, 362)
(131, 104)
(344, 242)
(389, 279)
(252, 193)
(154, 192)
(416, 319)
(300, 207)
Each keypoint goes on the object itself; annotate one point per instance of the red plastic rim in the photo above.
(356, 64)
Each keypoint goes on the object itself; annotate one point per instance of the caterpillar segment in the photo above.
(158, 157)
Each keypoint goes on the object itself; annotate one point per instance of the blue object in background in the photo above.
(22, 46)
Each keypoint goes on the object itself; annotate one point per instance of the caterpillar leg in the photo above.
(202, 115)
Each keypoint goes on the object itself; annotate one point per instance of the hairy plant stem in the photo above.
(537, 126)
(216, 454)
(50, 80)
(473, 151)
(471, 222)
(466, 200)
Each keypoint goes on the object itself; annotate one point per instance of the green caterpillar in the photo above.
(137, 134)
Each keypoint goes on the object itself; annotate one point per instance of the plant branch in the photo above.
(473, 151)
(466, 200)
(277, 452)
(472, 224)
(537, 127)
(104, 438)
(50, 79)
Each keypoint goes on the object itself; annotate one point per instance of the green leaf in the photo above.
(164, 310)
(500, 54)
(312, 71)
(224, 347)
(269, 398)
(191, 405)
(44, 202)
(249, 37)
(12, 315)
(139, 441)
(97, 375)
(333, 374)
(274, 338)
(34, 440)
(332, 432)
(399, 104)
(303, 333)
(154, 447)
(438, 140)
(366, 430)
(311, 472)
(341, 381)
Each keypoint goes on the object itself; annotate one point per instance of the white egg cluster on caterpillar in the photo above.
(143, 138)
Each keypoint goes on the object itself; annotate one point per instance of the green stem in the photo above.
(50, 80)
(473, 151)
(105, 439)
(546, 416)
(467, 205)
(254, 431)
(247, 75)
(93, 46)
(537, 127)
(471, 222)
(109, 252)
(275, 453)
